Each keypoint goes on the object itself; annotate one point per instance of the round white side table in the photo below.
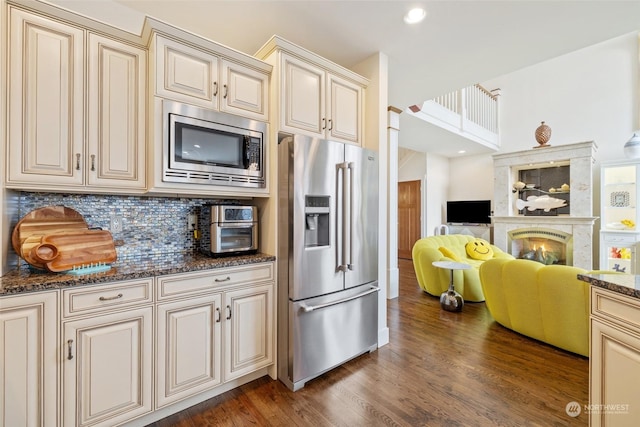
(451, 300)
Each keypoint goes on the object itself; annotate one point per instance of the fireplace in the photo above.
(567, 236)
(546, 246)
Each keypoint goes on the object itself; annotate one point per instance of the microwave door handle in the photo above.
(234, 225)
(246, 143)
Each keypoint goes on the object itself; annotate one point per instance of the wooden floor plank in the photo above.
(439, 369)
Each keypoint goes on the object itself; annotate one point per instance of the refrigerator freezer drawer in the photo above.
(327, 331)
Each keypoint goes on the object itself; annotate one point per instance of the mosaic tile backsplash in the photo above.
(152, 227)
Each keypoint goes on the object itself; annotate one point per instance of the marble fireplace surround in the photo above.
(579, 223)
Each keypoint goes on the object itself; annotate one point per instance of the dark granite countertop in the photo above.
(25, 280)
(627, 284)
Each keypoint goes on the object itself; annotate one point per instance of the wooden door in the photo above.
(408, 217)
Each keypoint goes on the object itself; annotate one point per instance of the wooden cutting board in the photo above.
(80, 249)
(44, 221)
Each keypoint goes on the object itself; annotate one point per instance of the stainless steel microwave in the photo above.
(203, 146)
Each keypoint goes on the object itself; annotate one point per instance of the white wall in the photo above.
(438, 184)
(413, 167)
(590, 94)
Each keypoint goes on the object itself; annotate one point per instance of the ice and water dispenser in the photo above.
(316, 213)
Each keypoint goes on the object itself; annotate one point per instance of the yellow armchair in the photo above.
(545, 302)
(450, 247)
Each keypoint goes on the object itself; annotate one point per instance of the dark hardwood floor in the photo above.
(439, 369)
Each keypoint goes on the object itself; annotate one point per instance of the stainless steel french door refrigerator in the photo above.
(327, 256)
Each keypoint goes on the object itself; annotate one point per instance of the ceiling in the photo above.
(458, 44)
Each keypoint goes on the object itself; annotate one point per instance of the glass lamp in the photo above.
(632, 147)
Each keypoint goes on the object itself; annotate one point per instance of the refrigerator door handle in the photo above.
(352, 168)
(343, 266)
(309, 308)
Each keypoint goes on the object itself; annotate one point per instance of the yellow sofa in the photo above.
(434, 280)
(545, 302)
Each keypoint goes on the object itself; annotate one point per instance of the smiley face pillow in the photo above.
(479, 249)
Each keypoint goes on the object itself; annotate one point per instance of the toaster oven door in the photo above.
(234, 237)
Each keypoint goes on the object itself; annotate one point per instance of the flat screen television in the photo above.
(469, 212)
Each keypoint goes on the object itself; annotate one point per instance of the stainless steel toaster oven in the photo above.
(232, 229)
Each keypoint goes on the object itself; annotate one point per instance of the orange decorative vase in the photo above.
(543, 134)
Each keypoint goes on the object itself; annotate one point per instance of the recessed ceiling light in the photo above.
(415, 15)
(461, 152)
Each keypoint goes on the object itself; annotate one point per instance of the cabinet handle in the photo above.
(110, 298)
(226, 279)
(229, 308)
(69, 347)
(218, 313)
(226, 91)
(324, 123)
(93, 163)
(77, 161)
(330, 125)
(215, 88)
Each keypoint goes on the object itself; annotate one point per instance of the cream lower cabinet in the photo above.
(51, 110)
(614, 363)
(189, 342)
(29, 353)
(107, 350)
(221, 332)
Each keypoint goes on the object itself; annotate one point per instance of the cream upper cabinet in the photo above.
(54, 142)
(614, 368)
(46, 107)
(315, 96)
(29, 354)
(116, 122)
(186, 74)
(198, 77)
(245, 91)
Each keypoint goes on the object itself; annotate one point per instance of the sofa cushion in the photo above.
(449, 253)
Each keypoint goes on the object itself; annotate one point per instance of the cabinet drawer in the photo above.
(203, 281)
(619, 238)
(616, 308)
(103, 297)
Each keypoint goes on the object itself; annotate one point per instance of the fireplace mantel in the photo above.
(580, 158)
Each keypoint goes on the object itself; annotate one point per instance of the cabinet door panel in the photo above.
(116, 114)
(46, 79)
(186, 74)
(346, 110)
(303, 96)
(248, 331)
(107, 380)
(28, 338)
(615, 376)
(188, 348)
(245, 91)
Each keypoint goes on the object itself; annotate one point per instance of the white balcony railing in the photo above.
(471, 112)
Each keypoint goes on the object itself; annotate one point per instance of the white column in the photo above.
(393, 129)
